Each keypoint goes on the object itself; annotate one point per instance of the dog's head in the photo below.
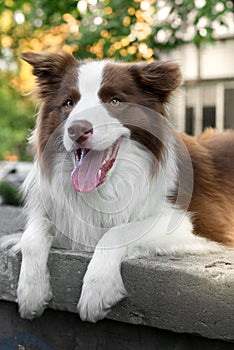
(92, 105)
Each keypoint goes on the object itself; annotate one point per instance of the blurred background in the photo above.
(199, 35)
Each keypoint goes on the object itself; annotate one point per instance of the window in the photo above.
(208, 117)
(189, 121)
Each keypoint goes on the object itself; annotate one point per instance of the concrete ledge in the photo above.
(191, 294)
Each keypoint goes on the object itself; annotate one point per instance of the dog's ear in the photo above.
(48, 68)
(47, 63)
(158, 78)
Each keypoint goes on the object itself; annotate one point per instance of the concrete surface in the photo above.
(190, 294)
(11, 220)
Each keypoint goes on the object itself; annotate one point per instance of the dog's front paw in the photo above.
(33, 295)
(99, 295)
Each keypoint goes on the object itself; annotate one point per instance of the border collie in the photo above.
(111, 176)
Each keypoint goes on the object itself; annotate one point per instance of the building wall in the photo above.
(215, 60)
(207, 95)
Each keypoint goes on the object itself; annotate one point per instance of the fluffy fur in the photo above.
(166, 193)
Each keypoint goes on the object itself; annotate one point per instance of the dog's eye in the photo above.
(115, 102)
(69, 103)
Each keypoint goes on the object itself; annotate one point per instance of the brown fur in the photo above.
(141, 85)
(212, 203)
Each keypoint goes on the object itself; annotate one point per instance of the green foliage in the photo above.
(16, 118)
(9, 194)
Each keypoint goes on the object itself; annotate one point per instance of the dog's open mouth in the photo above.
(92, 167)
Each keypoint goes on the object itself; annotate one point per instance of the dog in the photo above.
(112, 177)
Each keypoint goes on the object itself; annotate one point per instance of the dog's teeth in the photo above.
(99, 173)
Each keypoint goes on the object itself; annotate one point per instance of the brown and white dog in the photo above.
(112, 177)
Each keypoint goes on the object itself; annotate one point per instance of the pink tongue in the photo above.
(85, 177)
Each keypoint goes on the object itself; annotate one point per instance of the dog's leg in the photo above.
(103, 286)
(34, 290)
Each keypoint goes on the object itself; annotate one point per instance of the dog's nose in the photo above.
(80, 130)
